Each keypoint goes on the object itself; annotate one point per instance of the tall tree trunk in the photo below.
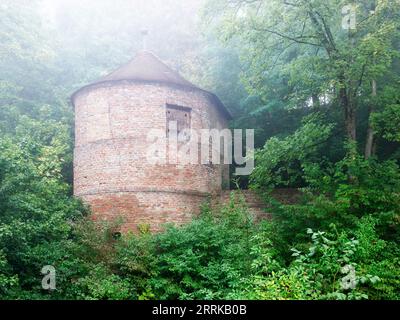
(348, 99)
(370, 142)
(348, 106)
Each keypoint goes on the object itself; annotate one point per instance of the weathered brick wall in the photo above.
(258, 206)
(111, 171)
(149, 208)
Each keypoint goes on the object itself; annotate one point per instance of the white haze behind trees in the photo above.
(93, 37)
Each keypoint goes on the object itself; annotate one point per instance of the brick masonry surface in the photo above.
(111, 171)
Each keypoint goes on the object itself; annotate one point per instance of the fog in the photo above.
(104, 34)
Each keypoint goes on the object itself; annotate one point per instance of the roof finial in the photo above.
(145, 33)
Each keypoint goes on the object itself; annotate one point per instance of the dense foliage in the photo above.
(325, 103)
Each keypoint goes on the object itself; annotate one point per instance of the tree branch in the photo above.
(295, 39)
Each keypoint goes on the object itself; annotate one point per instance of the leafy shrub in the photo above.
(205, 259)
(334, 266)
(281, 161)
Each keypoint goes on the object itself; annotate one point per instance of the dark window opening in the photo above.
(182, 117)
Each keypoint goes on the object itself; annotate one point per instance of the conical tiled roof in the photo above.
(146, 67)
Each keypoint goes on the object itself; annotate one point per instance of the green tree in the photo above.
(303, 45)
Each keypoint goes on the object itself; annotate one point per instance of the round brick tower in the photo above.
(113, 118)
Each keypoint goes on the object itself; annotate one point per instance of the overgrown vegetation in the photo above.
(222, 254)
(325, 105)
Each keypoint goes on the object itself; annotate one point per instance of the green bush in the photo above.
(206, 259)
(334, 266)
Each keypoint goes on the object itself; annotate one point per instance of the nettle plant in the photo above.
(331, 265)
